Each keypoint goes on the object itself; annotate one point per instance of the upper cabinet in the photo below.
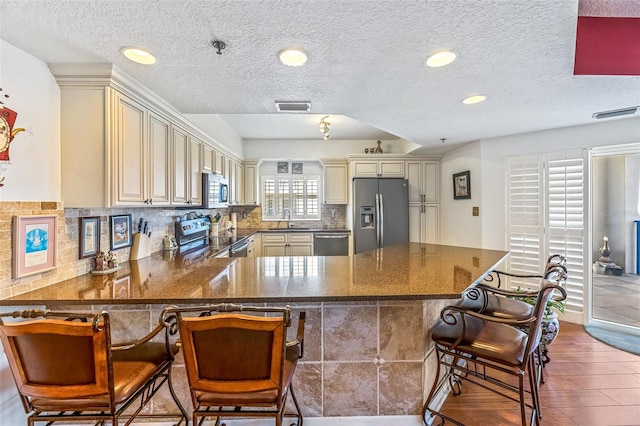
(251, 182)
(130, 149)
(122, 145)
(335, 182)
(208, 158)
(424, 181)
(364, 166)
(159, 160)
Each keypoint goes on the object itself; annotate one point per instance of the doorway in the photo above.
(615, 208)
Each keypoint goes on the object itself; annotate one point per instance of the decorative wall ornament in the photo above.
(7, 132)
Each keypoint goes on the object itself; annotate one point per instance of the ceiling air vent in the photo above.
(293, 106)
(615, 112)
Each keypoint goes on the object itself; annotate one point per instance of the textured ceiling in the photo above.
(366, 61)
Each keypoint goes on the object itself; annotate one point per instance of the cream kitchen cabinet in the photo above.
(218, 166)
(424, 181)
(187, 168)
(424, 223)
(208, 159)
(180, 155)
(160, 164)
(287, 244)
(236, 187)
(140, 148)
(335, 182)
(250, 179)
(122, 145)
(377, 168)
(195, 170)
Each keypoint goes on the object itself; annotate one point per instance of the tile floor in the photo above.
(617, 299)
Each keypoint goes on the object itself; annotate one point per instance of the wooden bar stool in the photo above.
(66, 369)
(238, 360)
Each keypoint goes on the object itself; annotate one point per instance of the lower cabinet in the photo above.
(287, 244)
(424, 223)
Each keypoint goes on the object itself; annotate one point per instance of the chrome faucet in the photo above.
(286, 214)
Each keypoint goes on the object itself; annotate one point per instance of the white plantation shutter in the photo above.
(525, 216)
(546, 215)
(566, 220)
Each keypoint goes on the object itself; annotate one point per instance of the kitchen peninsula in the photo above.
(367, 346)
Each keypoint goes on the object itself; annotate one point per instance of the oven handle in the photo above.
(238, 247)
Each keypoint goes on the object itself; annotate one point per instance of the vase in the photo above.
(550, 330)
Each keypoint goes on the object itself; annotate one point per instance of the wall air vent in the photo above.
(615, 112)
(293, 106)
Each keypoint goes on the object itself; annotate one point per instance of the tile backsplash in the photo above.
(161, 223)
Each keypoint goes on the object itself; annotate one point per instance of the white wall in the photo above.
(457, 225)
(311, 149)
(219, 130)
(34, 171)
(492, 157)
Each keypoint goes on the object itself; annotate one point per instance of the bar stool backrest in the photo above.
(54, 358)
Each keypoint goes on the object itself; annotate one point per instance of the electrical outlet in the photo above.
(475, 211)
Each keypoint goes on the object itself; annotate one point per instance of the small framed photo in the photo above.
(89, 242)
(34, 244)
(283, 167)
(296, 168)
(462, 185)
(120, 231)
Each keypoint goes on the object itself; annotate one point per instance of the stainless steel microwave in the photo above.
(215, 191)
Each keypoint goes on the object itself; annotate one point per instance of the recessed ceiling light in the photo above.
(441, 59)
(474, 99)
(293, 57)
(138, 55)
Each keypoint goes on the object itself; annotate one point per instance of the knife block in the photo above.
(141, 247)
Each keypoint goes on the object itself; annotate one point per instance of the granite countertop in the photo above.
(405, 271)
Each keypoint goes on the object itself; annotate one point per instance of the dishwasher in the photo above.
(331, 244)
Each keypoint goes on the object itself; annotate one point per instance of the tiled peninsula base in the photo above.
(360, 358)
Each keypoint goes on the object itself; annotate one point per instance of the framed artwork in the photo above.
(296, 168)
(89, 243)
(120, 231)
(34, 244)
(283, 167)
(462, 185)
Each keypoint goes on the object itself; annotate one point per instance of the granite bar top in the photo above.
(407, 271)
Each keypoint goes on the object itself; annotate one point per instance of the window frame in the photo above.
(284, 194)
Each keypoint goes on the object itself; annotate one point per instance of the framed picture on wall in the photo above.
(34, 244)
(296, 168)
(462, 185)
(120, 231)
(283, 167)
(89, 241)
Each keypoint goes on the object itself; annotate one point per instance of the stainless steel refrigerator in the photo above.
(380, 212)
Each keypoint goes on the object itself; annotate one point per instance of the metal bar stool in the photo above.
(482, 349)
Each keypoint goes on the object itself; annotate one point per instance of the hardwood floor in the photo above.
(587, 383)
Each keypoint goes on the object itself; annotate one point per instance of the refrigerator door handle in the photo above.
(377, 220)
(381, 202)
